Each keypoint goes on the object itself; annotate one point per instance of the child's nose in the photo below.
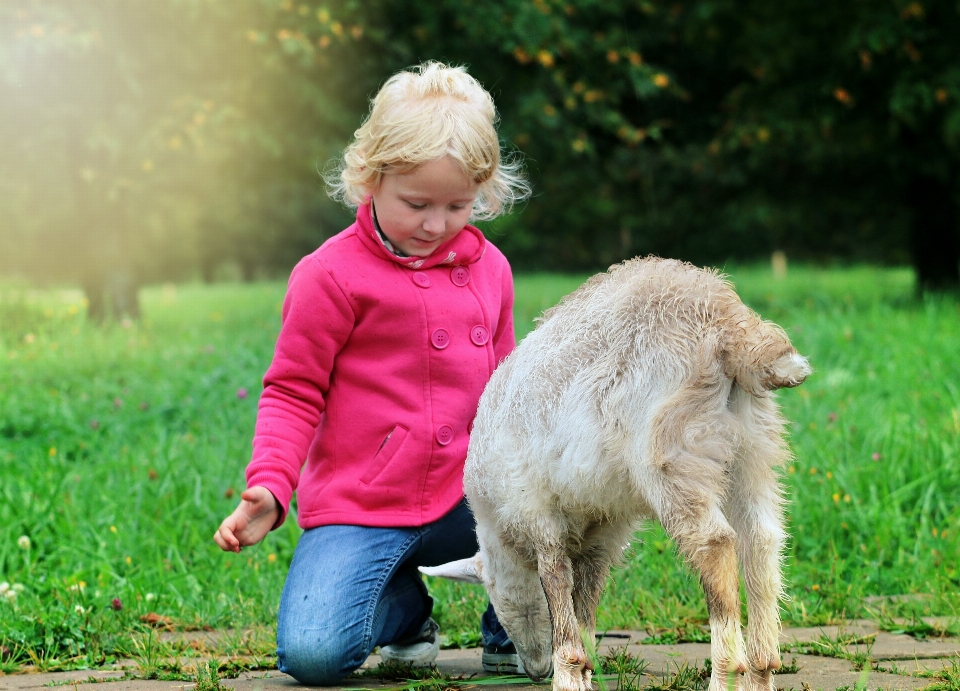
(435, 223)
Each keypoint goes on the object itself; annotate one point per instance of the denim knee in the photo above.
(319, 658)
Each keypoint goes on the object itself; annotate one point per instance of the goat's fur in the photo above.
(645, 393)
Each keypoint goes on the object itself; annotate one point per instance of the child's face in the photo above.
(420, 210)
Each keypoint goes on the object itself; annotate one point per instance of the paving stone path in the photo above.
(895, 660)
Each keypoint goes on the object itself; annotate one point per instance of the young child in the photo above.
(390, 332)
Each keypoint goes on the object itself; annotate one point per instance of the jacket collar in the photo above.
(466, 247)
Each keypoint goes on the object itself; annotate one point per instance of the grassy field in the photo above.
(122, 447)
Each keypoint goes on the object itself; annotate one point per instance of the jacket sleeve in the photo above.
(504, 340)
(317, 320)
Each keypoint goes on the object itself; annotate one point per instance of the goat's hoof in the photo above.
(569, 677)
(733, 678)
(759, 681)
(760, 677)
(764, 666)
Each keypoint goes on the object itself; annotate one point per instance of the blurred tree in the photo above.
(717, 128)
(846, 117)
(143, 139)
(108, 125)
(585, 94)
(158, 139)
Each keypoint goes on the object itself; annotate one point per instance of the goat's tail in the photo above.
(759, 357)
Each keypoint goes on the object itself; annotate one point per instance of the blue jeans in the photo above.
(351, 588)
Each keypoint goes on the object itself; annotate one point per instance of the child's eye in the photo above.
(458, 207)
(415, 206)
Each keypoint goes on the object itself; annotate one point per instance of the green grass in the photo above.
(122, 448)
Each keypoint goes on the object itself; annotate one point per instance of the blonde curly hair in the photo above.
(420, 115)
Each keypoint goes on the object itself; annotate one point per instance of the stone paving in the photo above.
(896, 661)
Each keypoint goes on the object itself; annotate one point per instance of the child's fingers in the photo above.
(223, 542)
(226, 540)
(249, 522)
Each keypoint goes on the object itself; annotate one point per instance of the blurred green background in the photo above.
(144, 141)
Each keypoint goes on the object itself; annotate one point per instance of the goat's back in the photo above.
(570, 414)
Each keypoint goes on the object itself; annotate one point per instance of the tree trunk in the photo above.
(934, 234)
(92, 283)
(111, 293)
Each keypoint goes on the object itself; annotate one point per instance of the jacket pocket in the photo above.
(388, 449)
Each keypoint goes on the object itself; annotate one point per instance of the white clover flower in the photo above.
(11, 595)
(150, 596)
(79, 609)
(4, 587)
(23, 542)
(18, 587)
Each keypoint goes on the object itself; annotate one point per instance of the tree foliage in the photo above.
(148, 140)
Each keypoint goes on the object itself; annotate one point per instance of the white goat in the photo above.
(645, 393)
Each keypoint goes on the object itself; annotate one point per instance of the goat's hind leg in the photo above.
(684, 483)
(708, 543)
(754, 507)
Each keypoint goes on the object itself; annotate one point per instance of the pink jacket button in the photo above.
(460, 276)
(440, 339)
(421, 280)
(444, 435)
(479, 335)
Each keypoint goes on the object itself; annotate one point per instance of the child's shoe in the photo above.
(501, 659)
(419, 650)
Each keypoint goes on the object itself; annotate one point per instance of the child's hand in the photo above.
(250, 521)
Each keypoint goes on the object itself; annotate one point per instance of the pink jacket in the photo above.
(376, 377)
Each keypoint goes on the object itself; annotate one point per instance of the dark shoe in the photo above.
(501, 659)
(419, 651)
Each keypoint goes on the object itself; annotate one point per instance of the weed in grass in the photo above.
(259, 641)
(686, 678)
(231, 669)
(624, 668)
(688, 632)
(208, 678)
(891, 668)
(414, 678)
(946, 679)
(860, 685)
(908, 620)
(791, 667)
(43, 661)
(839, 647)
(922, 630)
(9, 658)
(148, 652)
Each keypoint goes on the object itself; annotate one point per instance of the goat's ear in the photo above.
(467, 570)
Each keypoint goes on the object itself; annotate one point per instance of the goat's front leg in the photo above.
(570, 671)
(590, 570)
(589, 576)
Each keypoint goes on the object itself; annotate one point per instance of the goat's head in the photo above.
(518, 599)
